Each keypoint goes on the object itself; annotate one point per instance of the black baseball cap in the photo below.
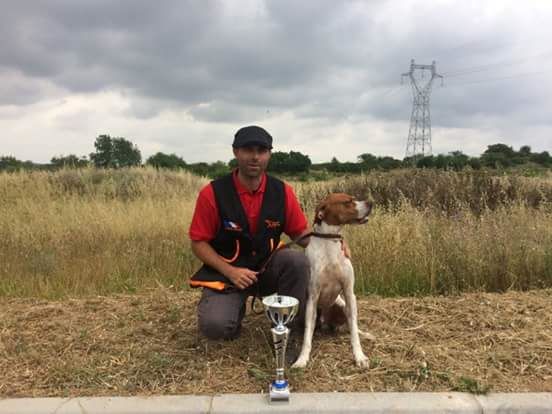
(252, 135)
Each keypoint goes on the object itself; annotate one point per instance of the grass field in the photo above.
(85, 232)
(148, 344)
(93, 297)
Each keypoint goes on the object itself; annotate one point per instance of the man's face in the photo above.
(252, 160)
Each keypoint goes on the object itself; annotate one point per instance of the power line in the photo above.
(519, 75)
(489, 66)
(392, 91)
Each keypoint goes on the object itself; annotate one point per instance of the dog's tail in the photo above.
(335, 316)
(367, 335)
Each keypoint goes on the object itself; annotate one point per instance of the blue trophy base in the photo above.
(278, 391)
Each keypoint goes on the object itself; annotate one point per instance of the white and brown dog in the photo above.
(331, 287)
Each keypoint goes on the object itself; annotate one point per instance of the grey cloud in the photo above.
(184, 54)
(340, 61)
(19, 92)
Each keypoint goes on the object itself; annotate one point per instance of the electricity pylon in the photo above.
(419, 134)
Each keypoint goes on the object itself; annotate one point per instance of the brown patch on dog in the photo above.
(337, 209)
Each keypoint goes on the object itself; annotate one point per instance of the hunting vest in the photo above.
(234, 242)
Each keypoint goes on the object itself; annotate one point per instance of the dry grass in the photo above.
(148, 344)
(89, 232)
(421, 252)
(86, 233)
(444, 192)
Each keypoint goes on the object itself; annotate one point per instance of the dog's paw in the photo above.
(300, 363)
(362, 361)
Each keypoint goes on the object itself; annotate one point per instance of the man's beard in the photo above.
(252, 171)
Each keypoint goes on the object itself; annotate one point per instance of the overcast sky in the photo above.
(323, 77)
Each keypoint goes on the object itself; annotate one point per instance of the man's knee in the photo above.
(294, 259)
(220, 314)
(218, 327)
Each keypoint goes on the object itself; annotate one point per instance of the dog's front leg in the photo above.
(351, 313)
(310, 322)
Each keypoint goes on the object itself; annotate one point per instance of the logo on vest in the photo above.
(230, 225)
(270, 224)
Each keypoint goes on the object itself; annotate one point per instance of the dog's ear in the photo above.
(320, 212)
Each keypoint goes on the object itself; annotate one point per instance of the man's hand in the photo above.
(242, 277)
(346, 250)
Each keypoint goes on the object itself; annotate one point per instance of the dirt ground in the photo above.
(148, 344)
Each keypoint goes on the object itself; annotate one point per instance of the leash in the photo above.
(257, 293)
(284, 246)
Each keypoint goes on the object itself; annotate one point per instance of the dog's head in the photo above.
(338, 209)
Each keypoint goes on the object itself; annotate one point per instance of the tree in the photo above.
(542, 158)
(412, 160)
(500, 149)
(458, 160)
(126, 153)
(299, 162)
(218, 169)
(278, 162)
(103, 157)
(368, 161)
(388, 163)
(525, 150)
(9, 163)
(441, 162)
(475, 163)
(497, 155)
(69, 161)
(115, 153)
(455, 160)
(199, 168)
(292, 162)
(213, 170)
(426, 162)
(161, 160)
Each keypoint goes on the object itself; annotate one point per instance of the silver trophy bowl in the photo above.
(280, 310)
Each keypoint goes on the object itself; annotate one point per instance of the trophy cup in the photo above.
(280, 310)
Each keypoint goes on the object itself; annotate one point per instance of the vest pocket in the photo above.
(236, 254)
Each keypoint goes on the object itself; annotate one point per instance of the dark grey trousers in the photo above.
(220, 313)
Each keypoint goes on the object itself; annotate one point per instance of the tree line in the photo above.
(118, 152)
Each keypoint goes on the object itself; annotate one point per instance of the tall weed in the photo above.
(96, 232)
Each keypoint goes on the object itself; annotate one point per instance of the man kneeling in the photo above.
(235, 231)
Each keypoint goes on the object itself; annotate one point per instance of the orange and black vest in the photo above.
(234, 241)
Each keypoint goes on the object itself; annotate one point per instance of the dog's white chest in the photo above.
(331, 271)
(323, 252)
